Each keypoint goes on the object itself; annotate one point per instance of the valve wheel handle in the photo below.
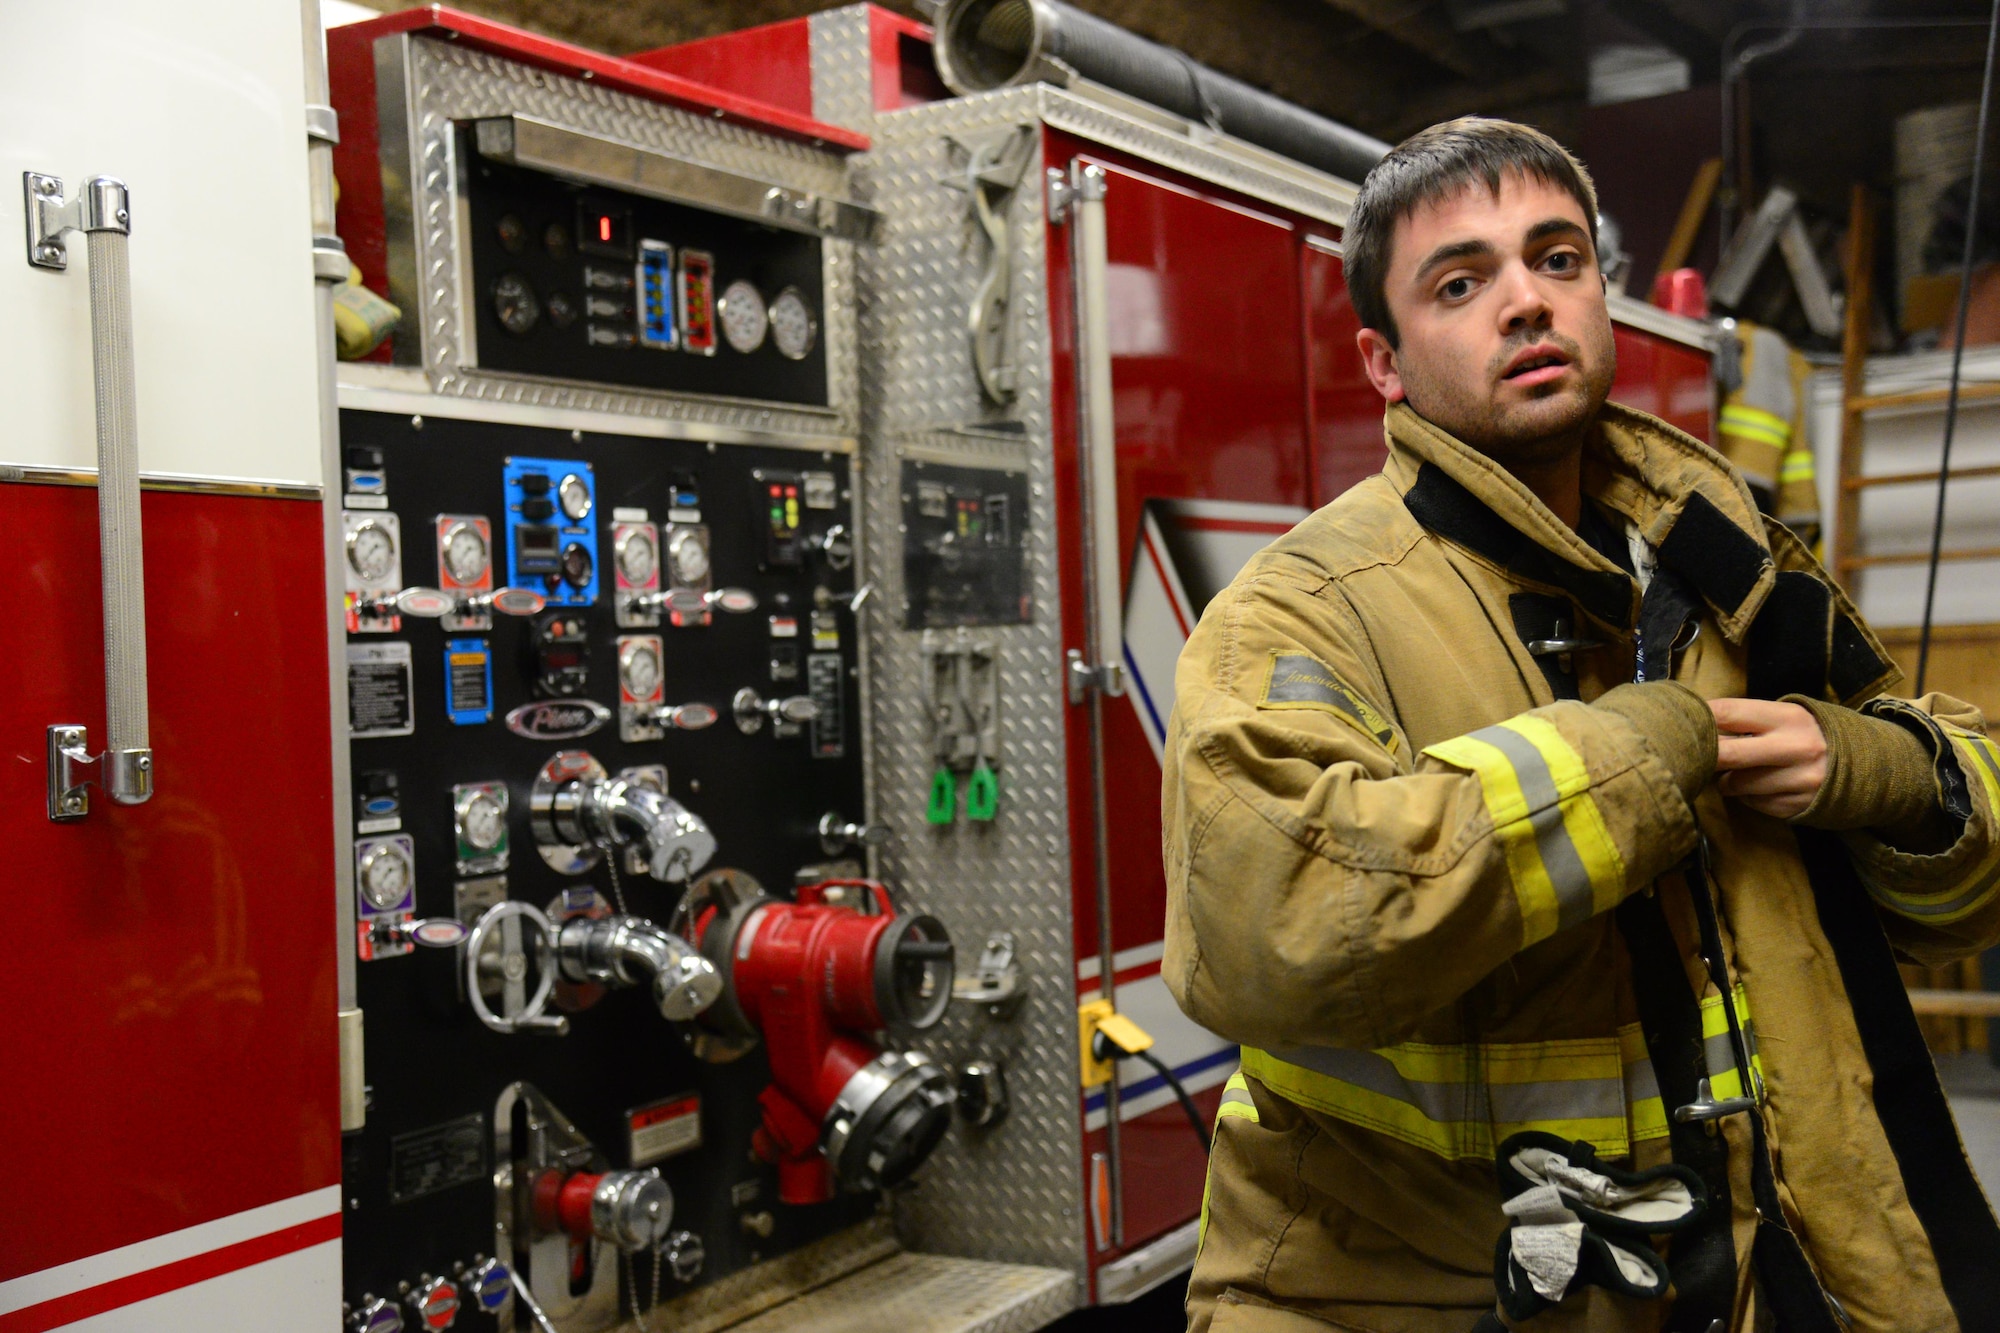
(475, 945)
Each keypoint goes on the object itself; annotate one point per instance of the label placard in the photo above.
(378, 690)
(824, 684)
(659, 1130)
(468, 681)
(428, 1160)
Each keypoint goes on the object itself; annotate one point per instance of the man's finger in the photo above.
(1769, 751)
(1748, 717)
(1789, 781)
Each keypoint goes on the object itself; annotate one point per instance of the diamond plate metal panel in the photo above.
(444, 82)
(843, 83)
(927, 1293)
(1012, 1192)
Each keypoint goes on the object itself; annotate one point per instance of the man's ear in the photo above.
(1380, 360)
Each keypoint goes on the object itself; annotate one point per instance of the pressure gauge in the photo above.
(577, 565)
(371, 551)
(514, 304)
(562, 309)
(744, 318)
(513, 233)
(637, 557)
(482, 821)
(687, 552)
(639, 672)
(385, 875)
(573, 493)
(465, 554)
(793, 328)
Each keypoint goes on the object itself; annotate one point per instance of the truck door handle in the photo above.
(102, 211)
(1098, 437)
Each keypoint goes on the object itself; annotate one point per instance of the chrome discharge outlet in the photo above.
(589, 810)
(631, 951)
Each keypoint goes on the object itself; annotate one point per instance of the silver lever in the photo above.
(837, 834)
(1704, 1106)
(753, 709)
(102, 211)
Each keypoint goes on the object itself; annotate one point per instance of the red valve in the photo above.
(808, 976)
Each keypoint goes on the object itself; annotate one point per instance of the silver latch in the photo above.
(995, 981)
(1705, 1107)
(1107, 677)
(127, 775)
(102, 205)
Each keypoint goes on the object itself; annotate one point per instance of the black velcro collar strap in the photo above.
(1731, 568)
(1448, 509)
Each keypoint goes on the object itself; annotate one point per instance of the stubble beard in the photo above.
(1547, 426)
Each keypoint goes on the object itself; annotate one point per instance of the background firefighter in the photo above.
(1539, 784)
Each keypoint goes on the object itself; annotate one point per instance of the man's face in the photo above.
(1506, 341)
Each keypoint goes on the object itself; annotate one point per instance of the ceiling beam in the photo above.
(1423, 29)
(1698, 47)
(1547, 84)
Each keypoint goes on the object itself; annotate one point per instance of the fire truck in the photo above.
(596, 645)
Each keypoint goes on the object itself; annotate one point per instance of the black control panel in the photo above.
(713, 572)
(964, 546)
(582, 283)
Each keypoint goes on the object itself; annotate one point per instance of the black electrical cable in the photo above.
(1958, 346)
(1104, 1048)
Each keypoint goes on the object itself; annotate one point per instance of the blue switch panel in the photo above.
(552, 528)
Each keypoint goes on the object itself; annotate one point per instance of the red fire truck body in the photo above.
(1080, 360)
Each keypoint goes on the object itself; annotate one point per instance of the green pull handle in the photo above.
(982, 794)
(944, 798)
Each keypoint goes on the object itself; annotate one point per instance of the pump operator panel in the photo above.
(584, 670)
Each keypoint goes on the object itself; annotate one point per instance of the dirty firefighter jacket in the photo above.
(1407, 858)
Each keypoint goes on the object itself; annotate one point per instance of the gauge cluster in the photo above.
(670, 621)
(596, 285)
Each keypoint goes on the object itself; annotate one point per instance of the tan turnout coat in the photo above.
(1405, 910)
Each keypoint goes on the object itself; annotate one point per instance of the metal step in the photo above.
(927, 1293)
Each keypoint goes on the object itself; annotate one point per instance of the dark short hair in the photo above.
(1435, 164)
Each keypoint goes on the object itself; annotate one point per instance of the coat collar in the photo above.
(1687, 502)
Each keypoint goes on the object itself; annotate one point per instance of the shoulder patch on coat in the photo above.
(1298, 681)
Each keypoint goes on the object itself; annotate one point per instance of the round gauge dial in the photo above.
(465, 554)
(690, 559)
(577, 565)
(637, 559)
(641, 672)
(515, 304)
(371, 551)
(385, 876)
(513, 233)
(556, 240)
(744, 318)
(573, 493)
(562, 309)
(793, 328)
(483, 822)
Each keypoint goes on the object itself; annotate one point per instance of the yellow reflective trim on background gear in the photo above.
(1560, 856)
(1798, 466)
(1460, 1101)
(1976, 887)
(1756, 424)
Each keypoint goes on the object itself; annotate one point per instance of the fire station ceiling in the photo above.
(1391, 66)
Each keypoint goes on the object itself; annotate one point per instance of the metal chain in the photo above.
(632, 1285)
(611, 855)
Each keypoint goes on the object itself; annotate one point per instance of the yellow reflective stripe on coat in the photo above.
(1976, 887)
(1756, 424)
(1798, 466)
(1236, 1105)
(1236, 1101)
(1648, 1112)
(1460, 1101)
(1563, 863)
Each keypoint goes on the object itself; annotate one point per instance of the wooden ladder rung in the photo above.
(1918, 557)
(1872, 402)
(1866, 481)
(1956, 1003)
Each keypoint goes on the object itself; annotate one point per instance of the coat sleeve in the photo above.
(1938, 894)
(1326, 886)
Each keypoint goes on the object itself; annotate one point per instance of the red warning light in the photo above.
(603, 228)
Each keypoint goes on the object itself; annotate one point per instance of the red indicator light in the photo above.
(603, 227)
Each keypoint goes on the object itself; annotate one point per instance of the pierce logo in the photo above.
(557, 719)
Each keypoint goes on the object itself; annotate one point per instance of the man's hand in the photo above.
(1770, 756)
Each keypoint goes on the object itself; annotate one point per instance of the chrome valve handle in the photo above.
(836, 834)
(752, 709)
(531, 1017)
(632, 951)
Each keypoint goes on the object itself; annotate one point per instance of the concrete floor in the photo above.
(1973, 1084)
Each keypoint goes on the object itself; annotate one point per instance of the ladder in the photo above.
(1942, 996)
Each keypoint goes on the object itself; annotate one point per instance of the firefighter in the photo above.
(1536, 821)
(1764, 425)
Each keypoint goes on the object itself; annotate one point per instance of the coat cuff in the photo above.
(1674, 723)
(1879, 776)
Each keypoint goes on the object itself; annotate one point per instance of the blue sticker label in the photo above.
(468, 681)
